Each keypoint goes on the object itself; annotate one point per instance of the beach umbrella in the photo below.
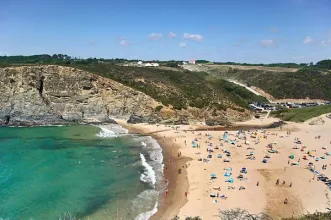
(291, 156)
(227, 174)
(213, 175)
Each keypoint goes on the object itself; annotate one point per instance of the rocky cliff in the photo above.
(32, 95)
(54, 94)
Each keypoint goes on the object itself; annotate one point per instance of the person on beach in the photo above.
(284, 182)
(166, 192)
(257, 184)
(185, 194)
(290, 184)
(285, 201)
(277, 182)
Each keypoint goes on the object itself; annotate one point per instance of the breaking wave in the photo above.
(147, 215)
(111, 131)
(148, 176)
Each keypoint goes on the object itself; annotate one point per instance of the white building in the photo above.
(191, 62)
(151, 65)
(140, 63)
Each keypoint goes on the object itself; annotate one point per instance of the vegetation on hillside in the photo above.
(171, 87)
(314, 83)
(177, 88)
(302, 114)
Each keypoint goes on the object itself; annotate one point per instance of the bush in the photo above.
(158, 108)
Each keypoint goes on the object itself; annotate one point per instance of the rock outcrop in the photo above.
(38, 95)
(33, 95)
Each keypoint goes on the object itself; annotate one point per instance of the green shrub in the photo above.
(158, 108)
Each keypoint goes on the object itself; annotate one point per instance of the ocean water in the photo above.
(78, 172)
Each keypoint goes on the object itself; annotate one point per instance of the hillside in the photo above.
(180, 89)
(302, 114)
(282, 83)
(49, 94)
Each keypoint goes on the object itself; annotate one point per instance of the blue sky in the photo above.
(253, 31)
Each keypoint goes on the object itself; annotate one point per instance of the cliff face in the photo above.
(37, 95)
(53, 94)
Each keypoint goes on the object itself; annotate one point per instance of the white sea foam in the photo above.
(147, 215)
(148, 176)
(145, 204)
(111, 131)
(152, 161)
(106, 133)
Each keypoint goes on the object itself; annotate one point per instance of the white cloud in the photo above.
(155, 36)
(308, 40)
(124, 43)
(267, 43)
(195, 37)
(182, 44)
(326, 42)
(172, 34)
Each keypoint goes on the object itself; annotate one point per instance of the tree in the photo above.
(242, 214)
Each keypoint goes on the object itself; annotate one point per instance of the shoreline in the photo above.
(169, 205)
(306, 195)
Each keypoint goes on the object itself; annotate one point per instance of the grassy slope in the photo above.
(178, 88)
(302, 114)
(308, 82)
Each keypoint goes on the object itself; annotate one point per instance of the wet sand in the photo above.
(170, 204)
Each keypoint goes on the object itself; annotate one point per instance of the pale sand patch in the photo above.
(305, 195)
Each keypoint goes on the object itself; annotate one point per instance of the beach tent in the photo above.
(219, 155)
(227, 174)
(264, 161)
(243, 170)
(323, 157)
(233, 142)
(213, 176)
(291, 156)
(210, 156)
(251, 153)
(230, 180)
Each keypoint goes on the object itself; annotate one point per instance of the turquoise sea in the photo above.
(78, 172)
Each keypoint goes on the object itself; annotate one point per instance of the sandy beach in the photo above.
(255, 189)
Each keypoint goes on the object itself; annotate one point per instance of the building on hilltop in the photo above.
(191, 62)
(151, 65)
(140, 63)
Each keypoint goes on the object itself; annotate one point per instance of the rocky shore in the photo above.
(49, 94)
